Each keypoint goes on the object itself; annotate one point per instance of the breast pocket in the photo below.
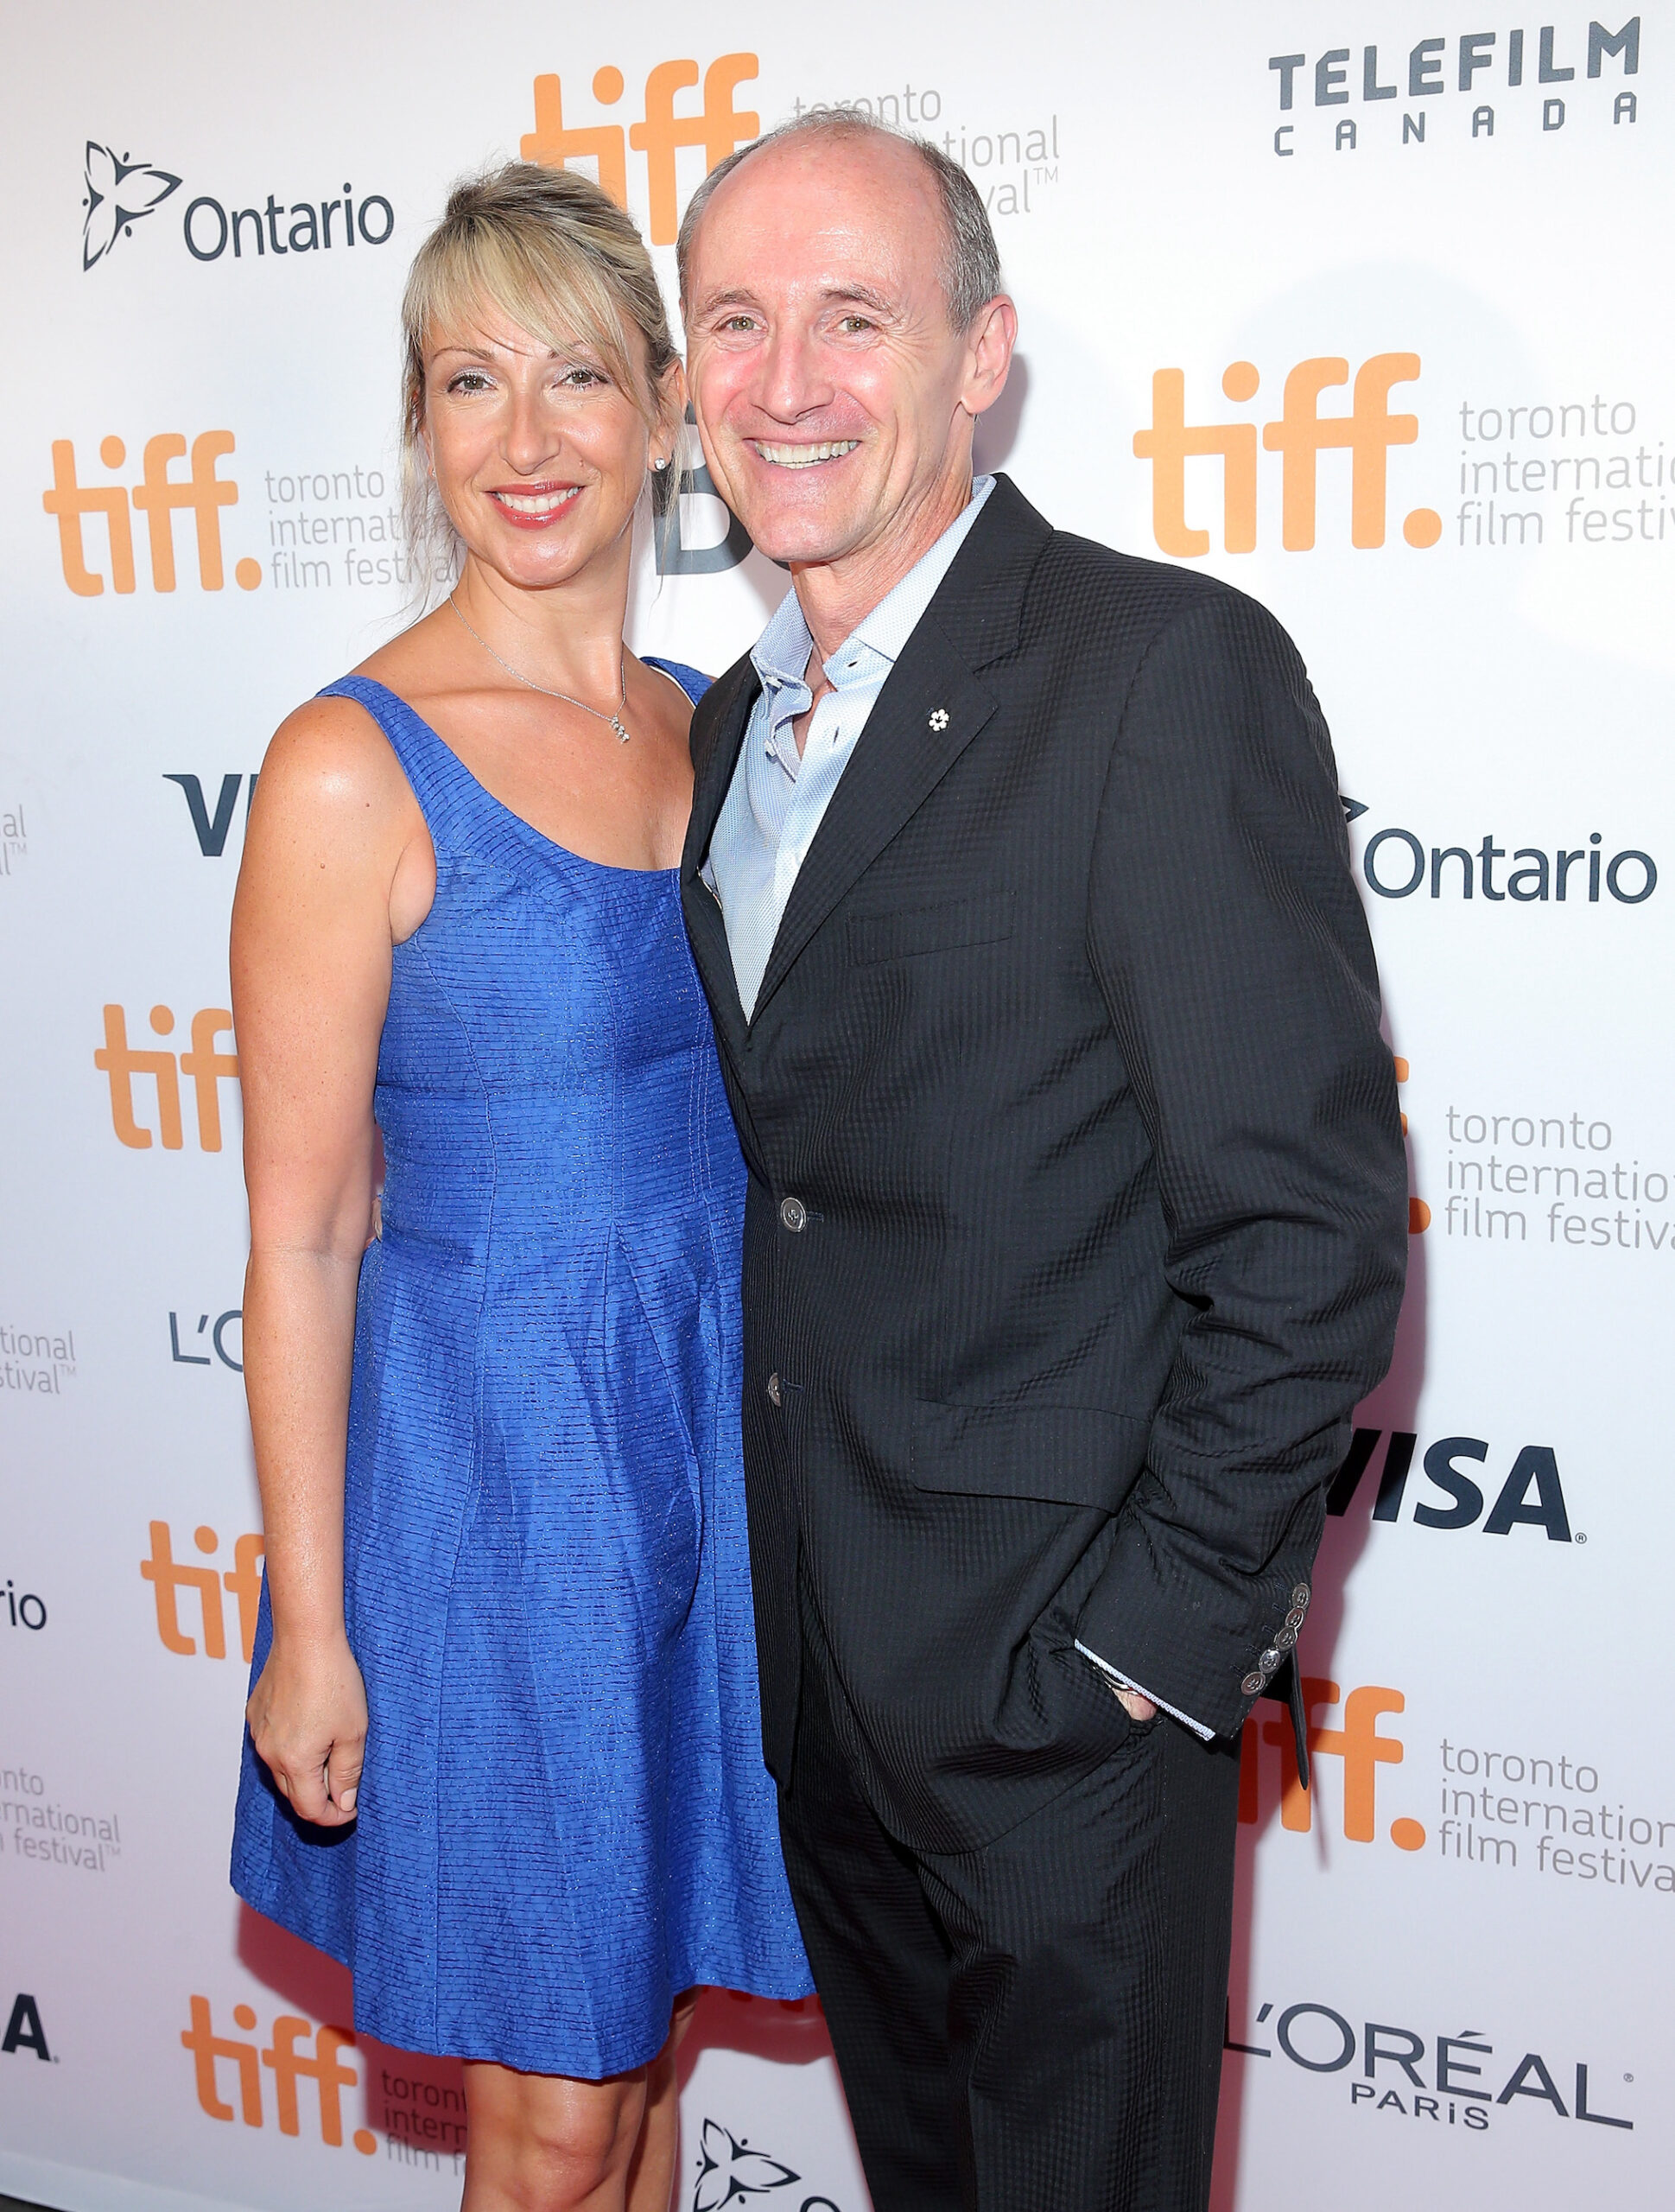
(911, 932)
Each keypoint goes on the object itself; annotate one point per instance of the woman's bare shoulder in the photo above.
(331, 758)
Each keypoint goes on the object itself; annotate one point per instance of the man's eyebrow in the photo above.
(832, 294)
(740, 297)
(863, 294)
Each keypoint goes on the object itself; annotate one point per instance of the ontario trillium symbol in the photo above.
(730, 2172)
(118, 194)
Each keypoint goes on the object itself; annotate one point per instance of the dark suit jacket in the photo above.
(1068, 1051)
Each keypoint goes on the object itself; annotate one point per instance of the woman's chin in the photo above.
(532, 562)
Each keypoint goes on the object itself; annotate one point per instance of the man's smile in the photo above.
(804, 456)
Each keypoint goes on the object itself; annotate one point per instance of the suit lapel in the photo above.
(929, 711)
(718, 736)
(931, 706)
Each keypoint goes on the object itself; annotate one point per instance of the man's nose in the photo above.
(791, 378)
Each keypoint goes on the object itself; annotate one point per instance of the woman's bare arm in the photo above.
(333, 831)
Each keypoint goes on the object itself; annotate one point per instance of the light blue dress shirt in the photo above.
(778, 800)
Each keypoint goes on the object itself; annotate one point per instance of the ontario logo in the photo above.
(118, 192)
(731, 2173)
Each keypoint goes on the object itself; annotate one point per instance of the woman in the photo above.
(458, 925)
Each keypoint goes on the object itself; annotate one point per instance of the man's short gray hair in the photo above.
(971, 260)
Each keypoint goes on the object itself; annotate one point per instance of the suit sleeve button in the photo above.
(1252, 1685)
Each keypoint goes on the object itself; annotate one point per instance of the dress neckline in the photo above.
(565, 852)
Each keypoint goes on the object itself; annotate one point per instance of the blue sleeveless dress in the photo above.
(564, 1818)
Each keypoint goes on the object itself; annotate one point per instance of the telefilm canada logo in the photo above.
(120, 192)
(1489, 82)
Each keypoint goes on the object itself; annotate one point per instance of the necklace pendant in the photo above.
(622, 734)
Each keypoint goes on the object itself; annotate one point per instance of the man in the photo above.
(1018, 883)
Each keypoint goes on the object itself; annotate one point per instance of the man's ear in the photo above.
(989, 346)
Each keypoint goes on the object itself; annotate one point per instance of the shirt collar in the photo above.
(780, 655)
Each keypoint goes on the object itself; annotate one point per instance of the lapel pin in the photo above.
(939, 720)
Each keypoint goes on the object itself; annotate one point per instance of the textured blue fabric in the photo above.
(564, 1818)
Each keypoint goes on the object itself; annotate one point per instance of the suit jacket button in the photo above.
(1253, 1685)
(793, 1213)
(773, 1389)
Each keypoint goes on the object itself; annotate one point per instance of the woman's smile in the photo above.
(532, 506)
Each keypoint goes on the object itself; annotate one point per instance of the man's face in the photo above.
(834, 402)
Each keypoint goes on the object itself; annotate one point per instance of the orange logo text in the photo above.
(168, 1577)
(120, 1062)
(717, 127)
(157, 497)
(1299, 437)
(287, 2059)
(1357, 1743)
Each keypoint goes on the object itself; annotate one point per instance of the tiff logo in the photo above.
(717, 128)
(121, 1062)
(158, 496)
(1357, 1743)
(167, 1578)
(1299, 436)
(290, 2063)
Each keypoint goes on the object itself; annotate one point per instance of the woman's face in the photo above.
(539, 456)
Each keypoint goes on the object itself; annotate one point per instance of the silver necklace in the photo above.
(615, 719)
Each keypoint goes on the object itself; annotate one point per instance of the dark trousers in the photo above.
(1035, 2027)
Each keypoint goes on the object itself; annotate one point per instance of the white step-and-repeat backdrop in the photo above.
(1362, 303)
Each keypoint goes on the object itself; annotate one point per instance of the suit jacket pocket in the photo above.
(1067, 1455)
(946, 928)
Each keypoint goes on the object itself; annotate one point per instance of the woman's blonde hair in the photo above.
(557, 255)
